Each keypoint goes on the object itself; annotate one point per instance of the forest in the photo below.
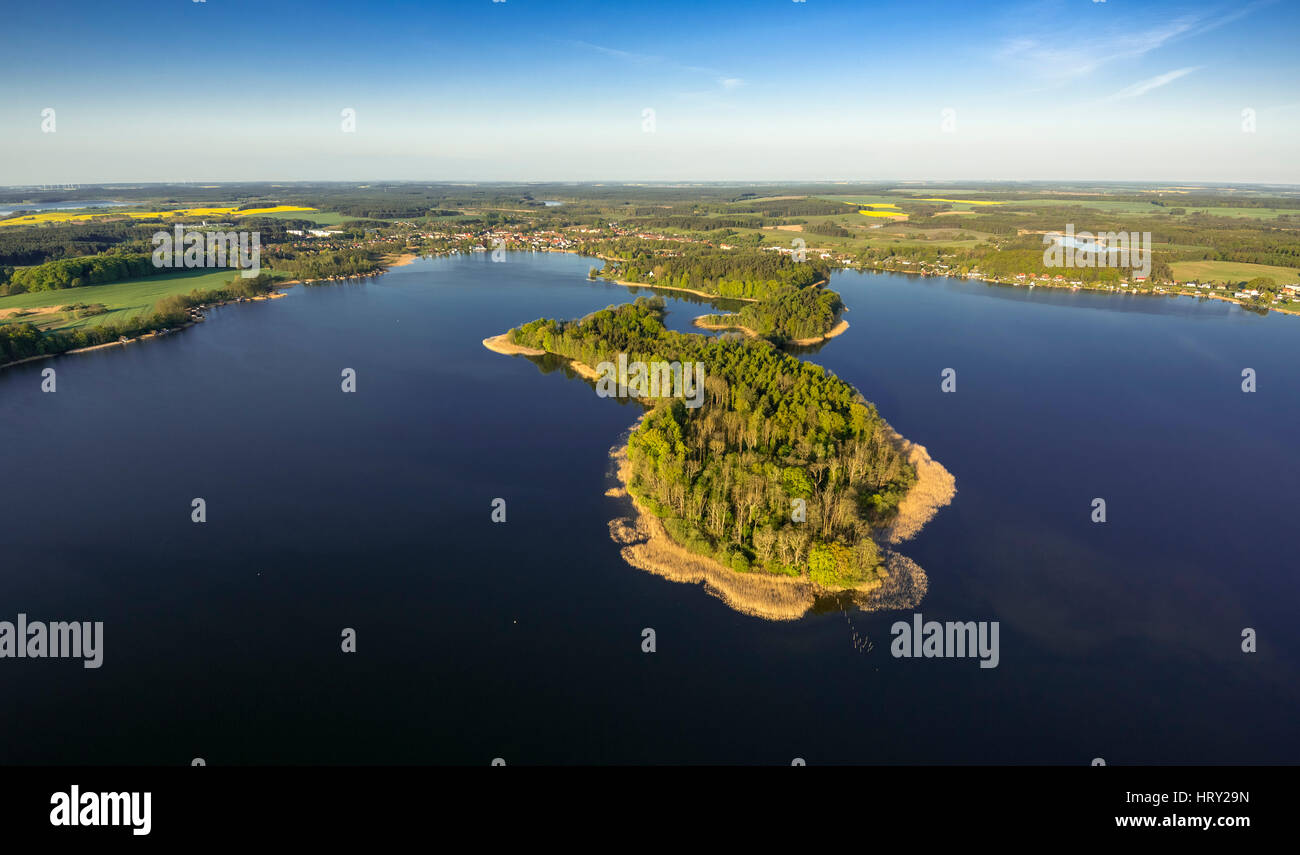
(790, 315)
(724, 478)
(750, 274)
(76, 272)
(322, 264)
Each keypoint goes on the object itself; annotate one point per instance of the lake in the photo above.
(10, 207)
(522, 640)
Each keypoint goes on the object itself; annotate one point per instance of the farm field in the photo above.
(1131, 207)
(122, 299)
(1231, 272)
(858, 199)
(1255, 213)
(967, 204)
(70, 216)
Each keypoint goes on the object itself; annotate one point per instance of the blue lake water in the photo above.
(9, 207)
(523, 640)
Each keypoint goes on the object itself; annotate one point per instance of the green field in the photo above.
(1256, 213)
(123, 299)
(864, 200)
(1116, 207)
(320, 218)
(1231, 272)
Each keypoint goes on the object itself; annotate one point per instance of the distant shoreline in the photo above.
(1114, 291)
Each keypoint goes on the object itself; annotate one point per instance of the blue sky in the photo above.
(171, 90)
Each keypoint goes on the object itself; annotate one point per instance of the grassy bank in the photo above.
(123, 301)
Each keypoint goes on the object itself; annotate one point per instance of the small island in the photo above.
(786, 484)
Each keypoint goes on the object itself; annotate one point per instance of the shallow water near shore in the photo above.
(523, 640)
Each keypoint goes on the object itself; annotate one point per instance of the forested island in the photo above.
(787, 304)
(793, 316)
(785, 471)
(743, 275)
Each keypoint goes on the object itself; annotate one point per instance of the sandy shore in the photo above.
(502, 344)
(702, 324)
(401, 260)
(838, 329)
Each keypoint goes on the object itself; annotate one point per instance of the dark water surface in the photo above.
(522, 641)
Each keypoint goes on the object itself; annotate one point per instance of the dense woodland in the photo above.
(34, 245)
(793, 314)
(76, 272)
(772, 429)
(325, 263)
(728, 273)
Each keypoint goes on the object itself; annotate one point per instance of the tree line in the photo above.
(790, 315)
(748, 273)
(76, 272)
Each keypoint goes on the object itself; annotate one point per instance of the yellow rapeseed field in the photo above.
(63, 217)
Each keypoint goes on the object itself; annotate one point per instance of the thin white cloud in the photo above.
(1062, 64)
(725, 82)
(1050, 63)
(1142, 87)
(620, 54)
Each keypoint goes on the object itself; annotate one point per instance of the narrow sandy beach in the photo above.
(401, 260)
(501, 344)
(704, 325)
(838, 329)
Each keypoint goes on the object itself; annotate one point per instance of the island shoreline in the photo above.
(839, 329)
